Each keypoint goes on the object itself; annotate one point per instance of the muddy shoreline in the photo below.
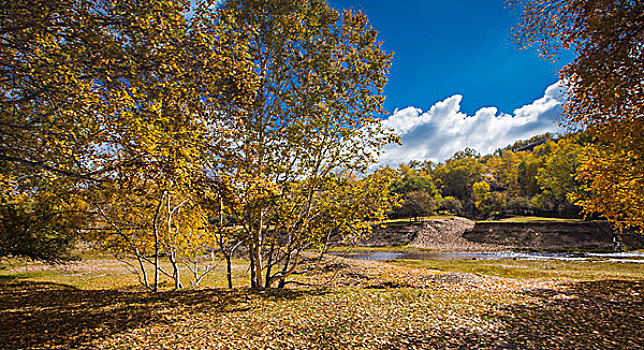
(460, 234)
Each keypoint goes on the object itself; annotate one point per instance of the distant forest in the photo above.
(530, 177)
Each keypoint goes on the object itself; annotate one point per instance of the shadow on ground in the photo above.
(607, 314)
(47, 315)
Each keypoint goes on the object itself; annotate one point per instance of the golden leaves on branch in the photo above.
(605, 93)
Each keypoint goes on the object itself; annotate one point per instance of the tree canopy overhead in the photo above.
(81, 79)
(108, 96)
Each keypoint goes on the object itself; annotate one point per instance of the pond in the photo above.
(626, 257)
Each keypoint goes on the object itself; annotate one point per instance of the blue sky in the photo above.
(452, 47)
(447, 49)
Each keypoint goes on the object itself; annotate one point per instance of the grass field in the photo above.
(535, 219)
(406, 221)
(504, 304)
(527, 219)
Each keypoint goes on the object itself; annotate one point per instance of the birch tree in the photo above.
(320, 78)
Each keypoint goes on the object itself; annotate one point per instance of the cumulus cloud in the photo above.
(438, 133)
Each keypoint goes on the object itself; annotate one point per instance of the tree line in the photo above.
(532, 177)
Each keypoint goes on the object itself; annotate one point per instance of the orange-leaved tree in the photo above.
(605, 93)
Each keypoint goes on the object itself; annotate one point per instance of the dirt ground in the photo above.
(339, 304)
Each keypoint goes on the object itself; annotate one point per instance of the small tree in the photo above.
(416, 204)
(415, 184)
(38, 223)
(175, 75)
(487, 202)
(320, 80)
(457, 177)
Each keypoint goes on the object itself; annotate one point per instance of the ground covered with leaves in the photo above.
(341, 304)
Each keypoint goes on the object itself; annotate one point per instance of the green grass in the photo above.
(391, 248)
(518, 219)
(535, 219)
(533, 269)
(407, 221)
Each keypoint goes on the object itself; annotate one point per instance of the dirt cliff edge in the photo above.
(463, 234)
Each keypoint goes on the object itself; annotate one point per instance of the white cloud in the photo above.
(438, 133)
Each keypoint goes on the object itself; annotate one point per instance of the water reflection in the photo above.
(630, 257)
